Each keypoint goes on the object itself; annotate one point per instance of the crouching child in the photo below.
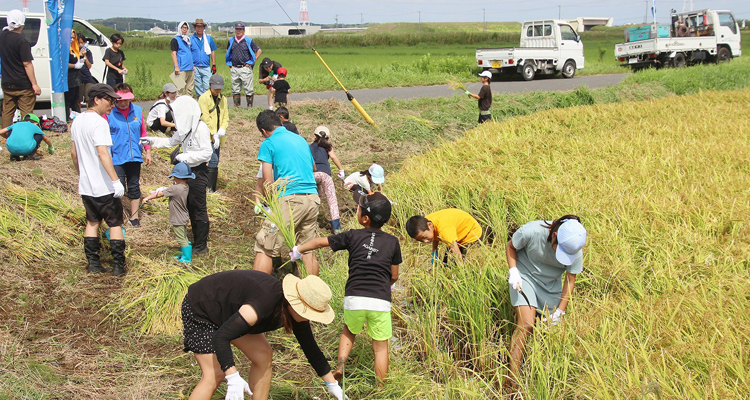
(178, 213)
(374, 258)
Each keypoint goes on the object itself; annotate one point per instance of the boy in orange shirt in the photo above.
(454, 227)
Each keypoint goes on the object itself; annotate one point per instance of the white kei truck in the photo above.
(691, 38)
(547, 47)
(35, 31)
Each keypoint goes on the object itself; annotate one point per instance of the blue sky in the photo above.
(354, 11)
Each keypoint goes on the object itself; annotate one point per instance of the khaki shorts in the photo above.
(305, 210)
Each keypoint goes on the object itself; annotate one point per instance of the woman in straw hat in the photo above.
(538, 254)
(238, 307)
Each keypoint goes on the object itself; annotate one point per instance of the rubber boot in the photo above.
(187, 254)
(91, 248)
(336, 225)
(118, 255)
(213, 176)
(237, 100)
(200, 238)
(250, 100)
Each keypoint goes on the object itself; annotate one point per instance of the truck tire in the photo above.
(528, 72)
(679, 60)
(723, 55)
(569, 69)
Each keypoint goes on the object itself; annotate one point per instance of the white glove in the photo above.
(180, 157)
(514, 278)
(236, 387)
(79, 64)
(125, 71)
(147, 140)
(295, 254)
(556, 317)
(217, 137)
(119, 189)
(157, 190)
(258, 209)
(341, 174)
(335, 390)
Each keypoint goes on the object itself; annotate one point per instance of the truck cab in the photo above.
(546, 47)
(35, 31)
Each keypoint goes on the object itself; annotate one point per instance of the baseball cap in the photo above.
(102, 89)
(239, 25)
(126, 95)
(281, 71)
(169, 88)
(265, 63)
(322, 131)
(377, 173)
(376, 205)
(216, 81)
(571, 237)
(31, 117)
(486, 74)
(182, 171)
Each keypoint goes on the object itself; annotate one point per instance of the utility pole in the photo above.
(115, 26)
(484, 18)
(337, 22)
(128, 26)
(361, 19)
(420, 21)
(559, 12)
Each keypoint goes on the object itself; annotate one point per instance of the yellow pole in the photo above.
(348, 95)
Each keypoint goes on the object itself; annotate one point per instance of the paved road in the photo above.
(546, 84)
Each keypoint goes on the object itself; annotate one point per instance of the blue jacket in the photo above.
(232, 41)
(184, 55)
(126, 135)
(200, 58)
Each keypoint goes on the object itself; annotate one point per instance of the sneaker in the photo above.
(15, 158)
(33, 157)
(135, 222)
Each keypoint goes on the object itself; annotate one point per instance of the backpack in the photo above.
(156, 125)
(54, 124)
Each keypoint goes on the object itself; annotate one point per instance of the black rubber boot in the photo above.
(213, 176)
(91, 248)
(237, 100)
(250, 100)
(200, 236)
(118, 255)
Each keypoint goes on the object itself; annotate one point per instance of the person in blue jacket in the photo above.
(203, 48)
(242, 52)
(182, 57)
(126, 125)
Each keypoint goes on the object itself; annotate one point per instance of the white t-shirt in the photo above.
(157, 112)
(89, 130)
(357, 179)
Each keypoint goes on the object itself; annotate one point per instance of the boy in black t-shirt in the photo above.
(374, 257)
(484, 97)
(280, 89)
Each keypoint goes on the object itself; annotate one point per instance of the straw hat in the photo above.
(309, 297)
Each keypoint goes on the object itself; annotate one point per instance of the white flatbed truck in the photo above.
(691, 37)
(547, 47)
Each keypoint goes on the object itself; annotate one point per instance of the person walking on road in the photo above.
(182, 57)
(249, 304)
(538, 254)
(19, 83)
(215, 114)
(203, 48)
(98, 184)
(484, 97)
(195, 138)
(241, 54)
(114, 59)
(126, 125)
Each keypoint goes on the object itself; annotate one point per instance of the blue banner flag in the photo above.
(60, 25)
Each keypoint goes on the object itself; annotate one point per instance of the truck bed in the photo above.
(665, 45)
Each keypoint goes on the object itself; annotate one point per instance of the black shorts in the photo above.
(484, 118)
(199, 334)
(106, 208)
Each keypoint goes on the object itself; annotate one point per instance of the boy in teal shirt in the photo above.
(23, 139)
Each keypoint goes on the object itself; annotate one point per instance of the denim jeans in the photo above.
(202, 75)
(214, 161)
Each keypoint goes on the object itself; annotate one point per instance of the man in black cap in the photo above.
(98, 184)
(242, 52)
